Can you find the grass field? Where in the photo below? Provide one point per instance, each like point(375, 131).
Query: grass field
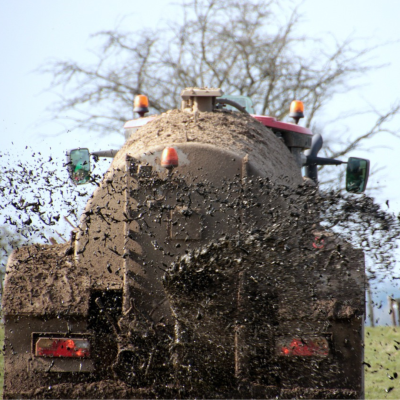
point(1, 359)
point(382, 357)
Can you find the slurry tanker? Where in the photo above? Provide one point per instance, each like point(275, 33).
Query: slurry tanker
point(200, 268)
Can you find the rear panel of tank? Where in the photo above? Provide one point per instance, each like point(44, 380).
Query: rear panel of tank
point(140, 220)
point(161, 230)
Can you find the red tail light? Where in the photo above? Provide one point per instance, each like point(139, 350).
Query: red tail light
point(309, 347)
point(169, 158)
point(62, 347)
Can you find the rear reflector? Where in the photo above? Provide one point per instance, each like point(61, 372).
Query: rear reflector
point(62, 347)
point(308, 347)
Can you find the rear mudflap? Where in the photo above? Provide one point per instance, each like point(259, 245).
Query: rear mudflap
point(110, 389)
point(311, 393)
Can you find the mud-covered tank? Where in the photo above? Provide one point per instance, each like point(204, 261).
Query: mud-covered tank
point(206, 277)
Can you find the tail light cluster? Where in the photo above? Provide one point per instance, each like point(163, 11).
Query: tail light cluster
point(62, 347)
point(306, 347)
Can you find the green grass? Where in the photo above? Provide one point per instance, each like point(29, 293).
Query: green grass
point(1, 359)
point(384, 360)
point(380, 353)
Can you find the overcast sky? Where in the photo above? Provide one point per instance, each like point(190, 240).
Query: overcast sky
point(33, 32)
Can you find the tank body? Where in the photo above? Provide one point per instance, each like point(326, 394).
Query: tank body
point(193, 281)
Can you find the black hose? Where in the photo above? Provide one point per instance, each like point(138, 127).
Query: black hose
point(232, 103)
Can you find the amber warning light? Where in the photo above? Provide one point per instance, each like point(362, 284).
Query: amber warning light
point(169, 158)
point(296, 110)
point(141, 104)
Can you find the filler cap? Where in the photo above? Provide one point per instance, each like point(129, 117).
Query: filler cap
point(199, 99)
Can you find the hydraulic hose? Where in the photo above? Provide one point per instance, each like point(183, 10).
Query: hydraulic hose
point(231, 103)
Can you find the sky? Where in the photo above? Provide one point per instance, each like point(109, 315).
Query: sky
point(34, 32)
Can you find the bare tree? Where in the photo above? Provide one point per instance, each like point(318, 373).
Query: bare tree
point(8, 241)
point(250, 48)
